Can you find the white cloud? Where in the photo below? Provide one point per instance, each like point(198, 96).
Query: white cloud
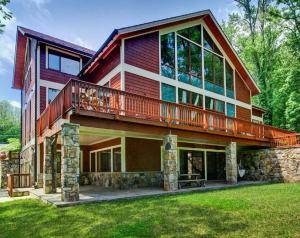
point(15, 104)
point(7, 44)
point(81, 42)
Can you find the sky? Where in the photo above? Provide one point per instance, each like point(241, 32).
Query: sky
point(88, 23)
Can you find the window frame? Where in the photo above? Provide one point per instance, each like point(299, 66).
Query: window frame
point(111, 148)
point(203, 91)
point(190, 98)
point(64, 54)
point(215, 105)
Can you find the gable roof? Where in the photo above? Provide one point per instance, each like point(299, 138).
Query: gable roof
point(210, 21)
point(55, 41)
point(20, 50)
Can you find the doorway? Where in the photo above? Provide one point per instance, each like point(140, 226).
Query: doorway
point(216, 163)
point(192, 162)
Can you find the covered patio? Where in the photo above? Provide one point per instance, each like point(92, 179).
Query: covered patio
point(118, 161)
point(92, 193)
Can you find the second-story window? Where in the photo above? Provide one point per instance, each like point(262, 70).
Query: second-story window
point(214, 104)
point(168, 55)
point(168, 93)
point(229, 81)
point(52, 94)
point(63, 63)
point(187, 97)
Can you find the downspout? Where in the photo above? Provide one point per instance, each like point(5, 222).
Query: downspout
point(35, 116)
point(21, 139)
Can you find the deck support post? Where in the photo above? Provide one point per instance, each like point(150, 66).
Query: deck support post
point(70, 162)
point(231, 163)
point(47, 173)
point(170, 163)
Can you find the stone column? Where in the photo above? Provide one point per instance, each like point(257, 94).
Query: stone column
point(170, 163)
point(70, 162)
point(231, 163)
point(47, 173)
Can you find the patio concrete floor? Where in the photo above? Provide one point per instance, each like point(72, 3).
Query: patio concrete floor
point(92, 193)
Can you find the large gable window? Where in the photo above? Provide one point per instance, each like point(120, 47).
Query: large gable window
point(191, 56)
point(213, 72)
point(192, 33)
point(229, 81)
point(63, 63)
point(168, 55)
point(189, 62)
point(209, 43)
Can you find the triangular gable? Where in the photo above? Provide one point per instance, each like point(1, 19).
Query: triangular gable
point(210, 21)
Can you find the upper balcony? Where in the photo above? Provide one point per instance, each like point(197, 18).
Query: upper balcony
point(96, 101)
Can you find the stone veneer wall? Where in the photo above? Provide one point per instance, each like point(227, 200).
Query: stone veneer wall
point(125, 180)
point(40, 180)
point(8, 166)
point(276, 164)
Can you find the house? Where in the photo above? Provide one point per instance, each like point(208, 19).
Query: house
point(156, 101)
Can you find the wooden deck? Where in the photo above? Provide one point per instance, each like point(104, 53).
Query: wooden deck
point(92, 100)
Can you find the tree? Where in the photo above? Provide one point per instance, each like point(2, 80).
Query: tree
point(5, 14)
point(266, 35)
point(9, 122)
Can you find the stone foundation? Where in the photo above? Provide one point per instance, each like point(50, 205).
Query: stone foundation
point(124, 180)
point(231, 163)
point(10, 165)
point(277, 164)
point(70, 162)
point(170, 163)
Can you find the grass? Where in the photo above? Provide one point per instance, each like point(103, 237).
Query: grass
point(254, 211)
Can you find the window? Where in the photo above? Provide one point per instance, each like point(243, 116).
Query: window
point(107, 160)
point(53, 61)
point(214, 105)
point(192, 33)
point(189, 62)
point(229, 81)
point(168, 93)
point(168, 55)
point(187, 97)
point(213, 72)
point(52, 93)
point(92, 162)
point(103, 161)
point(63, 63)
point(209, 43)
point(230, 110)
point(117, 159)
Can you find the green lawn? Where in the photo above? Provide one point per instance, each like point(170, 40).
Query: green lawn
point(254, 211)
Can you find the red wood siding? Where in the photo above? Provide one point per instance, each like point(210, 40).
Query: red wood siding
point(136, 158)
point(143, 52)
point(43, 99)
point(49, 74)
point(105, 66)
point(141, 85)
point(243, 113)
point(115, 82)
point(242, 92)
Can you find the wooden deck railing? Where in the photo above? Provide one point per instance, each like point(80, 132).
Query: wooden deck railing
point(83, 96)
point(17, 181)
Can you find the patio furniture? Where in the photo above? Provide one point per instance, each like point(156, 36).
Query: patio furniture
point(185, 179)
